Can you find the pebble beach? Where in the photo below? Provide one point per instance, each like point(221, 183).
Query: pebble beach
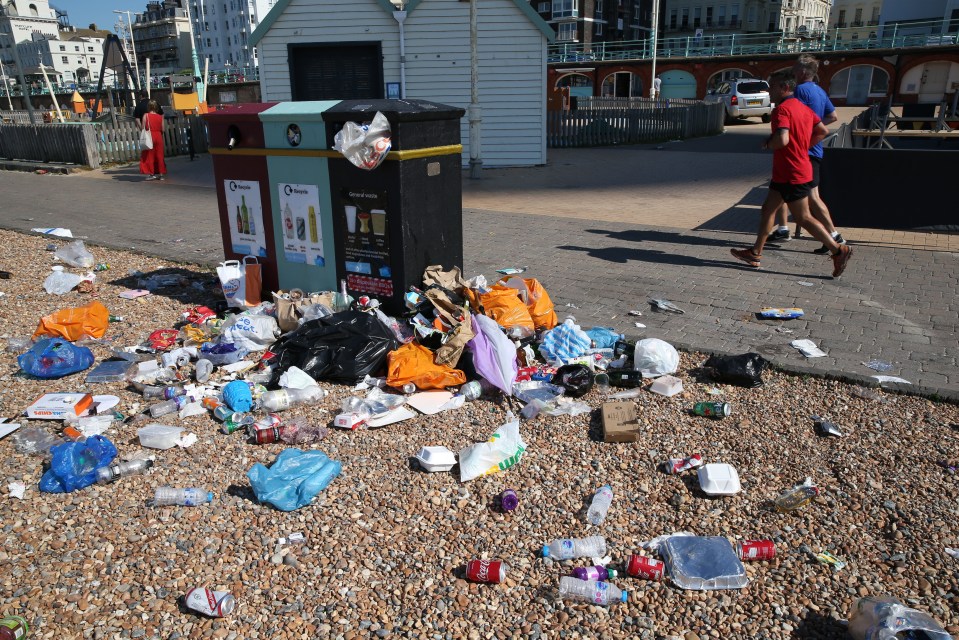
point(386, 543)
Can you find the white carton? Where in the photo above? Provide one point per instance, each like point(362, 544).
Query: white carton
point(59, 406)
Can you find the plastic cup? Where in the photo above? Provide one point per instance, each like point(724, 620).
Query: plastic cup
point(350, 218)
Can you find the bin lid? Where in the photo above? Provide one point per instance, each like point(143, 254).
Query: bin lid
point(307, 111)
point(394, 110)
point(240, 112)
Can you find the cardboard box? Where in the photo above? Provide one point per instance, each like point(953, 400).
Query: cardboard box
point(59, 406)
point(619, 422)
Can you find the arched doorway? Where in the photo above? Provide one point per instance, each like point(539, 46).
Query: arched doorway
point(677, 84)
point(577, 83)
point(858, 83)
point(724, 75)
point(622, 84)
point(930, 81)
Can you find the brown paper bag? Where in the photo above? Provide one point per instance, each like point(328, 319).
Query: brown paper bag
point(461, 333)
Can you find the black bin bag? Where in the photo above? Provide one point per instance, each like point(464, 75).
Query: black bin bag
point(744, 370)
point(343, 347)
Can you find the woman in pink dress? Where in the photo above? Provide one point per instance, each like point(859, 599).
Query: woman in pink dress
point(152, 163)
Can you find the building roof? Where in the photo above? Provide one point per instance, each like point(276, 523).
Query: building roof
point(523, 5)
point(84, 33)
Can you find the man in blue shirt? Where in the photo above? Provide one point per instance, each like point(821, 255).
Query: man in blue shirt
point(813, 96)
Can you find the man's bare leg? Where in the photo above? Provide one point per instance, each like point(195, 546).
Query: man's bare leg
point(801, 214)
point(772, 205)
point(820, 211)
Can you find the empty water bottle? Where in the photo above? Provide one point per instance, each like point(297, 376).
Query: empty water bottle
point(187, 497)
point(167, 393)
point(122, 469)
point(600, 505)
point(601, 593)
point(475, 389)
point(283, 399)
point(567, 548)
point(170, 406)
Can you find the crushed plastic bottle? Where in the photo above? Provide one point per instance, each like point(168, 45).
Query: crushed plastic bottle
point(601, 593)
point(797, 497)
point(119, 470)
point(600, 505)
point(568, 548)
point(283, 399)
point(170, 406)
point(165, 393)
point(187, 497)
point(204, 369)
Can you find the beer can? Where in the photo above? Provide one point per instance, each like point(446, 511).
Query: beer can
point(211, 603)
point(678, 465)
point(646, 568)
point(715, 410)
point(493, 571)
point(756, 550)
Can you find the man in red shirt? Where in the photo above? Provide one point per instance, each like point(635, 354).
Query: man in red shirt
point(795, 128)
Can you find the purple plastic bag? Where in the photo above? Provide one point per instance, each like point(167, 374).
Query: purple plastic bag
point(494, 355)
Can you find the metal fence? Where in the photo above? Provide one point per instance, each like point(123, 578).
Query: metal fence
point(94, 143)
point(600, 126)
point(597, 102)
point(15, 117)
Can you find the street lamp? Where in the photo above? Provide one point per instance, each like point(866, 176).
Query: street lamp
point(652, 83)
point(399, 14)
point(133, 47)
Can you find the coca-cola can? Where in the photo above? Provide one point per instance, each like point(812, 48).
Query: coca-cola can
point(215, 604)
point(756, 550)
point(646, 568)
point(678, 465)
point(493, 571)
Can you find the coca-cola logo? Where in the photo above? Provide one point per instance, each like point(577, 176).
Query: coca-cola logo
point(483, 573)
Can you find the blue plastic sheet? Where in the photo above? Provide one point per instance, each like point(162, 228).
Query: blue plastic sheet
point(237, 396)
point(295, 478)
point(54, 358)
point(74, 465)
point(604, 337)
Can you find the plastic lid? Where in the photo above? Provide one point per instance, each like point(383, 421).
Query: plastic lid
point(57, 267)
point(623, 595)
point(612, 573)
point(545, 551)
point(209, 496)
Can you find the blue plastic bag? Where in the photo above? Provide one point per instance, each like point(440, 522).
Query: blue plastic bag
point(294, 479)
point(604, 337)
point(221, 354)
point(237, 396)
point(54, 358)
point(74, 465)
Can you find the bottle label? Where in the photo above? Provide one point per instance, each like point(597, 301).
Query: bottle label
point(601, 596)
point(566, 548)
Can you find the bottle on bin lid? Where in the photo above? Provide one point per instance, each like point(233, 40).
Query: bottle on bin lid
point(211, 603)
point(13, 628)
point(493, 571)
point(509, 500)
point(601, 593)
point(597, 573)
point(600, 505)
point(644, 567)
point(568, 548)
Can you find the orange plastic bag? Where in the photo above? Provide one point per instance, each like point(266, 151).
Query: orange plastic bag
point(414, 363)
point(539, 305)
point(504, 305)
point(74, 323)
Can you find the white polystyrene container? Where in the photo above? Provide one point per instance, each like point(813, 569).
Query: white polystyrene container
point(719, 479)
point(436, 458)
point(159, 436)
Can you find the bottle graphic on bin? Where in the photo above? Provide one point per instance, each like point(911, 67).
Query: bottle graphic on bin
point(252, 229)
point(314, 236)
point(246, 215)
point(239, 220)
point(288, 221)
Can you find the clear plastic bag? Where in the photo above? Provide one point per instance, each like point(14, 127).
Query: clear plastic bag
point(703, 564)
point(76, 255)
point(885, 618)
point(35, 441)
point(365, 145)
point(59, 282)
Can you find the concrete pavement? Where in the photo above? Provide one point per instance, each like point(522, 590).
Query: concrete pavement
point(604, 230)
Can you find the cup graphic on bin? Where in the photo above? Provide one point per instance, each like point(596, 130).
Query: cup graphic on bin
point(378, 218)
point(350, 218)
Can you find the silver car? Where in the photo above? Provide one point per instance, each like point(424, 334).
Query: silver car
point(744, 98)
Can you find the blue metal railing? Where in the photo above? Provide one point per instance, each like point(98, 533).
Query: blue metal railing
point(888, 36)
point(223, 76)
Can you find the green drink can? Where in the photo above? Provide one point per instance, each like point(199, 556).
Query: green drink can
point(14, 627)
point(714, 410)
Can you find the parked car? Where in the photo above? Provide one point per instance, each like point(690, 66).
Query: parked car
point(744, 98)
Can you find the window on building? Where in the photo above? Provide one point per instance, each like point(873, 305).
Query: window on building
point(33, 11)
point(751, 15)
point(684, 24)
point(858, 21)
point(62, 48)
point(841, 22)
point(90, 49)
point(565, 9)
point(76, 47)
point(734, 15)
point(93, 60)
point(673, 18)
point(875, 14)
point(599, 9)
point(698, 17)
point(599, 29)
point(208, 42)
point(721, 15)
point(954, 22)
point(709, 16)
point(566, 31)
point(65, 60)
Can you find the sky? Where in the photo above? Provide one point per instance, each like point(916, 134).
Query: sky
point(83, 12)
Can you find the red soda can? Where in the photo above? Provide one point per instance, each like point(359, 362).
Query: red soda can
point(756, 550)
point(646, 568)
point(266, 436)
point(678, 465)
point(493, 571)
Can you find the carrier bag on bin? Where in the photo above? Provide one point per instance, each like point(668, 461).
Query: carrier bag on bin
point(365, 145)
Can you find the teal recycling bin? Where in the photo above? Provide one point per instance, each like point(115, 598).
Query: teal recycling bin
point(297, 158)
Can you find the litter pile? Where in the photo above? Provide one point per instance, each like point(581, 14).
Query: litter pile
point(303, 383)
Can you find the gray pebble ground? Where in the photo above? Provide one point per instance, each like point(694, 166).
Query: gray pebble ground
point(386, 544)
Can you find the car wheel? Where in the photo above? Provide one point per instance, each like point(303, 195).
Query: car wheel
point(729, 119)
point(766, 118)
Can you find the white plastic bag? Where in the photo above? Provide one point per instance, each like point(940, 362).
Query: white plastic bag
point(296, 378)
point(241, 282)
point(250, 332)
point(75, 255)
point(503, 450)
point(655, 357)
point(885, 618)
point(365, 145)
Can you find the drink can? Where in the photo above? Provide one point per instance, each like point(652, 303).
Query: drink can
point(209, 602)
point(493, 571)
point(678, 465)
point(646, 568)
point(715, 410)
point(756, 550)
point(17, 628)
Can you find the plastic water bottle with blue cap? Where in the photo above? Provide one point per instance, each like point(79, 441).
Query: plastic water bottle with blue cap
point(601, 593)
point(191, 497)
point(600, 505)
point(568, 548)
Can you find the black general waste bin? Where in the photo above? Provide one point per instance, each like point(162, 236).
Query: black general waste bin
point(390, 223)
